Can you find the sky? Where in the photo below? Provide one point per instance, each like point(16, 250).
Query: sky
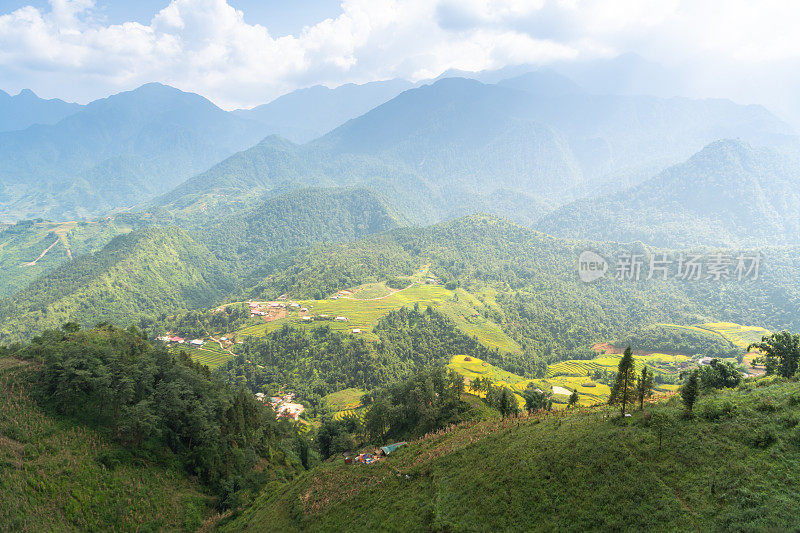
point(240, 53)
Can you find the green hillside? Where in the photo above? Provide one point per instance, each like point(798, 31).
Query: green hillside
point(727, 195)
point(729, 468)
point(53, 474)
point(30, 248)
point(141, 274)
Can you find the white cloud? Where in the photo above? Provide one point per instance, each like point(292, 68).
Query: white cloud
point(206, 46)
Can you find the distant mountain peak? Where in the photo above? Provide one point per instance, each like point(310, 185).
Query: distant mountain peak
point(544, 82)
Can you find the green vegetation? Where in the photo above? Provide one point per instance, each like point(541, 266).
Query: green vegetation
point(160, 408)
point(136, 276)
point(56, 474)
point(654, 470)
point(31, 248)
point(669, 338)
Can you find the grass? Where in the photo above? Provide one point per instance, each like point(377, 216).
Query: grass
point(210, 354)
point(731, 468)
point(343, 399)
point(740, 336)
point(52, 477)
point(364, 314)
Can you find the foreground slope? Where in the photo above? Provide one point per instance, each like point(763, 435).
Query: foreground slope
point(728, 194)
point(729, 468)
point(53, 474)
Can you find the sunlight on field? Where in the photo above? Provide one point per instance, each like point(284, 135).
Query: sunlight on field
point(740, 336)
point(364, 314)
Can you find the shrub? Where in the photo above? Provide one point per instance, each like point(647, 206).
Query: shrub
point(794, 399)
point(716, 410)
point(761, 437)
point(794, 438)
point(766, 406)
point(789, 421)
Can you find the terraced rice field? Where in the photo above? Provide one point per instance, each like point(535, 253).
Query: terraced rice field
point(364, 314)
point(359, 413)
point(208, 356)
point(740, 336)
point(344, 399)
point(659, 362)
point(589, 391)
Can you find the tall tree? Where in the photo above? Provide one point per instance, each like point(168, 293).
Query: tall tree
point(781, 353)
point(624, 392)
point(574, 398)
point(644, 387)
point(690, 390)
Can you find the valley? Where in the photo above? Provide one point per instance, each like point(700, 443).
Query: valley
point(369, 266)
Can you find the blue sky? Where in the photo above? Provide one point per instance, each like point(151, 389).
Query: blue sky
point(281, 17)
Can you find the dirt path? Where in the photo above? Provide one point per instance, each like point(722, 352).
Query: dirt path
point(33, 263)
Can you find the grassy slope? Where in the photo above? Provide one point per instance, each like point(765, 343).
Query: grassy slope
point(364, 314)
point(22, 244)
point(139, 274)
point(574, 472)
point(51, 477)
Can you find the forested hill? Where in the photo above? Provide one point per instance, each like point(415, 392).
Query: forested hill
point(143, 273)
point(458, 146)
point(299, 218)
point(541, 301)
point(728, 194)
point(158, 270)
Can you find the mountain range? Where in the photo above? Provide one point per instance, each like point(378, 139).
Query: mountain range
point(728, 194)
point(26, 109)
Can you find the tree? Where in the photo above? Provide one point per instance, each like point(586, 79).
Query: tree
point(537, 400)
point(574, 398)
point(690, 390)
point(623, 392)
point(644, 387)
point(719, 375)
point(781, 353)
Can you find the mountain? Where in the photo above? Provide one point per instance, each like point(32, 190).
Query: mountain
point(728, 194)
point(26, 109)
point(305, 114)
point(560, 473)
point(299, 218)
point(543, 82)
point(155, 270)
point(460, 146)
point(115, 152)
point(31, 248)
point(142, 273)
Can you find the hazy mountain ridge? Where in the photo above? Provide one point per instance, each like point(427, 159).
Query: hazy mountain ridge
point(115, 152)
point(446, 149)
point(306, 114)
point(728, 194)
point(26, 109)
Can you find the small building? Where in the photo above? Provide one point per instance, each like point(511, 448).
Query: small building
point(306, 318)
point(260, 396)
point(223, 338)
point(196, 342)
point(341, 319)
point(356, 330)
point(304, 310)
point(178, 340)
